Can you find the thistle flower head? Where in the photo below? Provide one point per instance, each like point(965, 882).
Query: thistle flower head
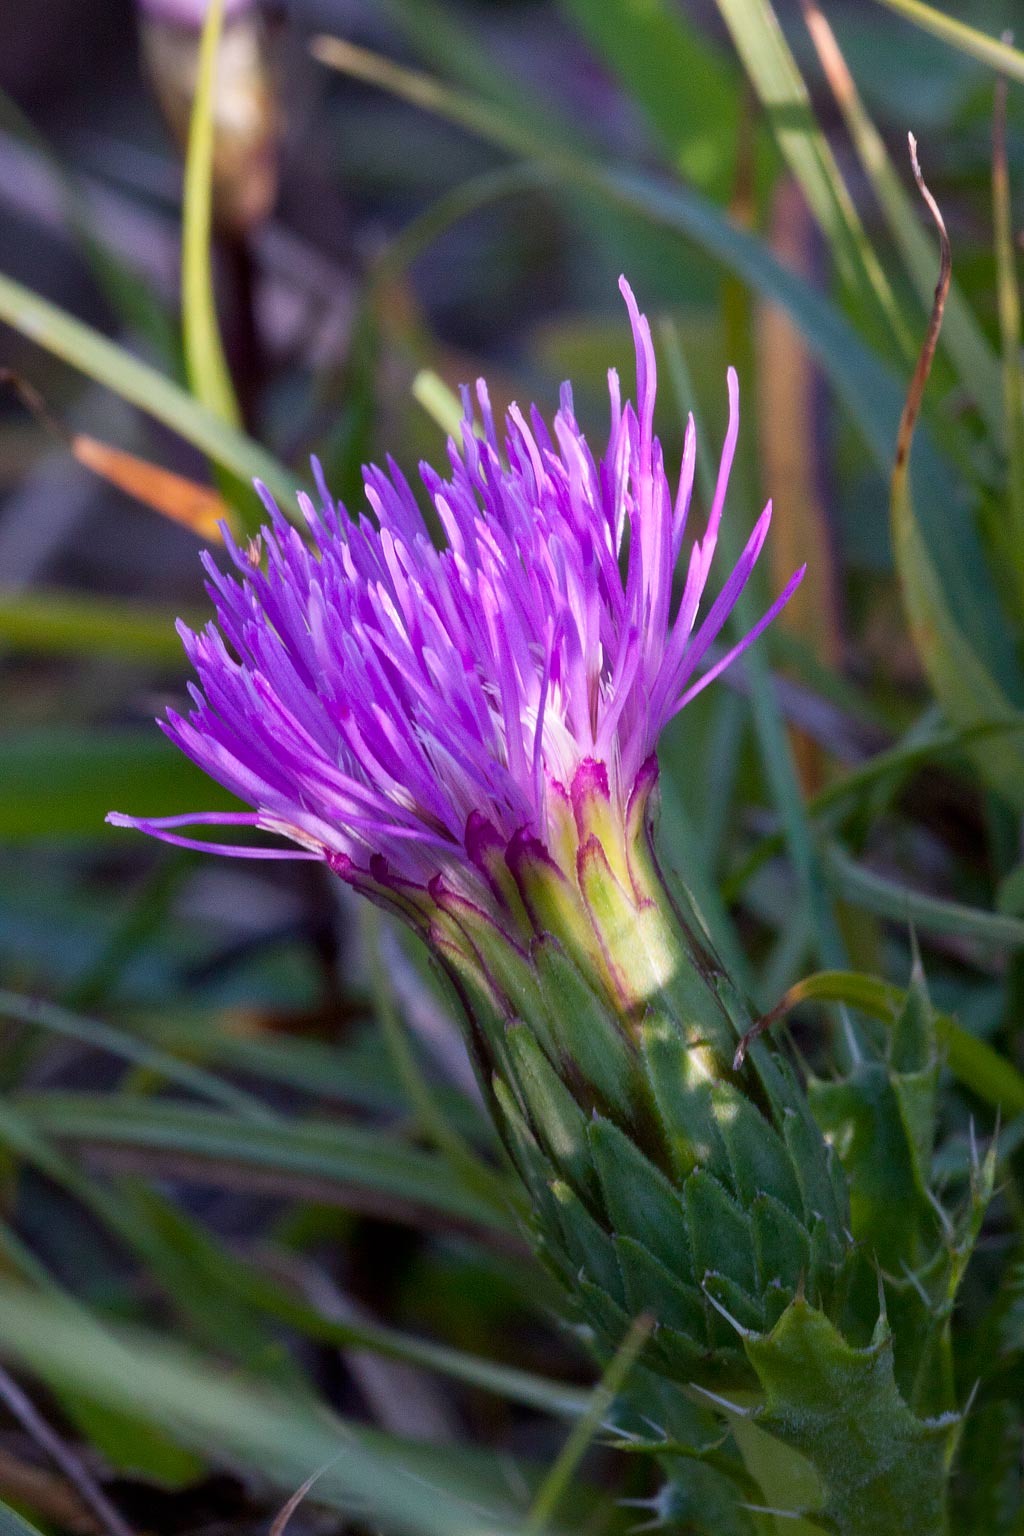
point(461, 720)
point(416, 711)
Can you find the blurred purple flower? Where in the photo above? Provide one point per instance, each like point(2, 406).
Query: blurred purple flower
point(190, 13)
point(427, 719)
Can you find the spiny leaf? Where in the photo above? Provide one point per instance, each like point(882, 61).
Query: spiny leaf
point(973, 1061)
point(881, 1468)
point(654, 1287)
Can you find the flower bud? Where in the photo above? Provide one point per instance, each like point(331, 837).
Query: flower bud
point(246, 113)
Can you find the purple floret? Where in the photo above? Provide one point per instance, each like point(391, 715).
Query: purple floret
point(372, 696)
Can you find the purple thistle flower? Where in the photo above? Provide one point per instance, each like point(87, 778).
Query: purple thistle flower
point(437, 721)
point(467, 735)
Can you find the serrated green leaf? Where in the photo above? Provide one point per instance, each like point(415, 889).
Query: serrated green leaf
point(605, 1316)
point(889, 1208)
point(913, 1045)
point(882, 1469)
point(914, 1074)
point(916, 1093)
point(738, 1309)
point(813, 1171)
point(677, 1357)
point(988, 1483)
point(974, 1062)
point(708, 1500)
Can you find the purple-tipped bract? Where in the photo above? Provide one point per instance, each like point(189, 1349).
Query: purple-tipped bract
point(377, 699)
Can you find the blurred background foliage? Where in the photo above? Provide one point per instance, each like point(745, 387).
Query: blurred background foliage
point(235, 1110)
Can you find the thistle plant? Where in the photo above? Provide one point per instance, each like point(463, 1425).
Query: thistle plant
point(461, 721)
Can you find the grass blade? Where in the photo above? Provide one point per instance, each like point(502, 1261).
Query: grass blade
point(553, 1488)
point(62, 782)
point(964, 683)
point(425, 1491)
point(103, 1037)
point(143, 386)
point(474, 1172)
point(12, 1524)
point(962, 336)
point(350, 1166)
point(1008, 295)
point(204, 355)
point(63, 623)
point(789, 452)
point(444, 37)
point(927, 914)
point(247, 1284)
point(353, 1073)
point(771, 731)
point(987, 50)
point(774, 73)
point(194, 506)
point(894, 765)
point(93, 1498)
point(652, 48)
point(441, 404)
point(129, 293)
